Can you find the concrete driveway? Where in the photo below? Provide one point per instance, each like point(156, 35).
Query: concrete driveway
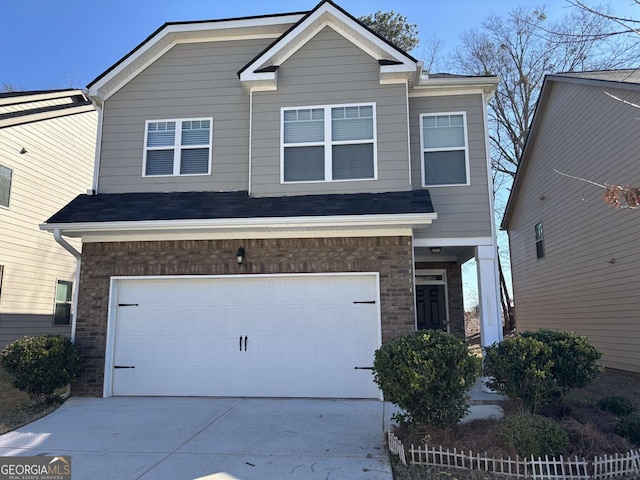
point(213, 438)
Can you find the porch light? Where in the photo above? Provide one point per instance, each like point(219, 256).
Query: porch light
point(240, 255)
point(436, 250)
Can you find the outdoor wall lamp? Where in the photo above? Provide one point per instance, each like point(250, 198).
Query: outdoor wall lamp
point(240, 255)
point(436, 250)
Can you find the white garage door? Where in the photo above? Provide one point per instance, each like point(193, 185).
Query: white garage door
point(271, 336)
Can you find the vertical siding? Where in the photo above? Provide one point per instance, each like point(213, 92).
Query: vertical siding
point(190, 80)
point(462, 211)
point(57, 167)
point(588, 280)
point(330, 70)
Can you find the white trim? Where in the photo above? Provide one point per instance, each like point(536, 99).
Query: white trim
point(96, 169)
point(250, 141)
point(107, 389)
point(240, 224)
point(452, 242)
point(175, 35)
point(423, 149)
point(408, 135)
point(328, 142)
point(328, 15)
point(177, 146)
point(485, 126)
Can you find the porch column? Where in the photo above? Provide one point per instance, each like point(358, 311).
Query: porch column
point(488, 295)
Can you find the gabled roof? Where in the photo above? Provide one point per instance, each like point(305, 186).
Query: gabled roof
point(394, 62)
point(18, 108)
point(623, 79)
point(131, 211)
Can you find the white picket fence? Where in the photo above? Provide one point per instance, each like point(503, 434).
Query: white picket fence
point(609, 466)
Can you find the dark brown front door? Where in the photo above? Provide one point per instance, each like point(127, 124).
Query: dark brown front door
point(431, 308)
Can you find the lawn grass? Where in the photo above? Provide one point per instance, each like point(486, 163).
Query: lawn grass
point(586, 423)
point(17, 409)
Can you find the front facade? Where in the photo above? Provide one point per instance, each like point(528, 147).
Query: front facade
point(574, 259)
point(274, 198)
point(47, 153)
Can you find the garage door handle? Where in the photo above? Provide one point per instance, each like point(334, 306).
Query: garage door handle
point(245, 343)
point(123, 366)
point(366, 301)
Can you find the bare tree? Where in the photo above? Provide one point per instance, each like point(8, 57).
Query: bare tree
point(522, 48)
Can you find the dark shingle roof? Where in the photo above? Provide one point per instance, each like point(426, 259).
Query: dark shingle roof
point(624, 75)
point(132, 207)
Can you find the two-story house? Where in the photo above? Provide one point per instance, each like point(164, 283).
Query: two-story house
point(47, 153)
point(574, 258)
point(276, 197)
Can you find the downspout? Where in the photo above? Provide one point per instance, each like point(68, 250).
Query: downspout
point(74, 299)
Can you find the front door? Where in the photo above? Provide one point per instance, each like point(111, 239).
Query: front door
point(431, 307)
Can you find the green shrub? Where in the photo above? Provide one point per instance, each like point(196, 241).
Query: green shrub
point(617, 405)
point(532, 435)
point(428, 375)
point(41, 364)
point(629, 428)
point(539, 368)
point(575, 360)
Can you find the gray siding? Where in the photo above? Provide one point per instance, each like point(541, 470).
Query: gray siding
point(588, 280)
point(330, 70)
point(190, 80)
point(462, 211)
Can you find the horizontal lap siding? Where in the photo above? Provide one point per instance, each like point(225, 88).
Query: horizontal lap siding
point(585, 133)
point(190, 80)
point(462, 211)
point(57, 167)
point(330, 70)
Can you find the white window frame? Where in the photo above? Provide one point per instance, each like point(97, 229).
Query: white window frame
point(451, 149)
point(10, 185)
point(177, 147)
point(328, 143)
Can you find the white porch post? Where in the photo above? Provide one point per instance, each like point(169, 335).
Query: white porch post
point(488, 295)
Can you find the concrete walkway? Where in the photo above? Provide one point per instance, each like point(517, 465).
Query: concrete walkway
point(213, 438)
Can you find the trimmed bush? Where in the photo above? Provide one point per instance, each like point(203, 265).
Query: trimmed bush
point(617, 405)
point(539, 368)
point(532, 435)
point(629, 428)
point(41, 364)
point(428, 375)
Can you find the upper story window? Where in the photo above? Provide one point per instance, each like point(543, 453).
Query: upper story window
point(539, 241)
point(178, 147)
point(62, 312)
point(5, 185)
point(445, 152)
point(329, 143)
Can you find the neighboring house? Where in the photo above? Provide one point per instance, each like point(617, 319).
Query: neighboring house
point(575, 260)
point(47, 153)
point(275, 197)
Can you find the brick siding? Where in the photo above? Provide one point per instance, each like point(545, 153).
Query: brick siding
point(392, 257)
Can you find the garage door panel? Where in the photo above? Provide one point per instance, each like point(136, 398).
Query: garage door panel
point(304, 336)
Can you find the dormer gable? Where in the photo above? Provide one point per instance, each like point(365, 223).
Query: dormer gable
point(396, 66)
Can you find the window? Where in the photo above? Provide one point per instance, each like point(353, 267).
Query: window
point(328, 143)
point(1, 277)
point(62, 313)
point(539, 241)
point(5, 185)
point(444, 149)
point(178, 147)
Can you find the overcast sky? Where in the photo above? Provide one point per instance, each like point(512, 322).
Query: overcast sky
point(67, 43)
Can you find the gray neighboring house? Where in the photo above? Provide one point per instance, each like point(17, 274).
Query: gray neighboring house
point(47, 153)
point(275, 197)
point(575, 260)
